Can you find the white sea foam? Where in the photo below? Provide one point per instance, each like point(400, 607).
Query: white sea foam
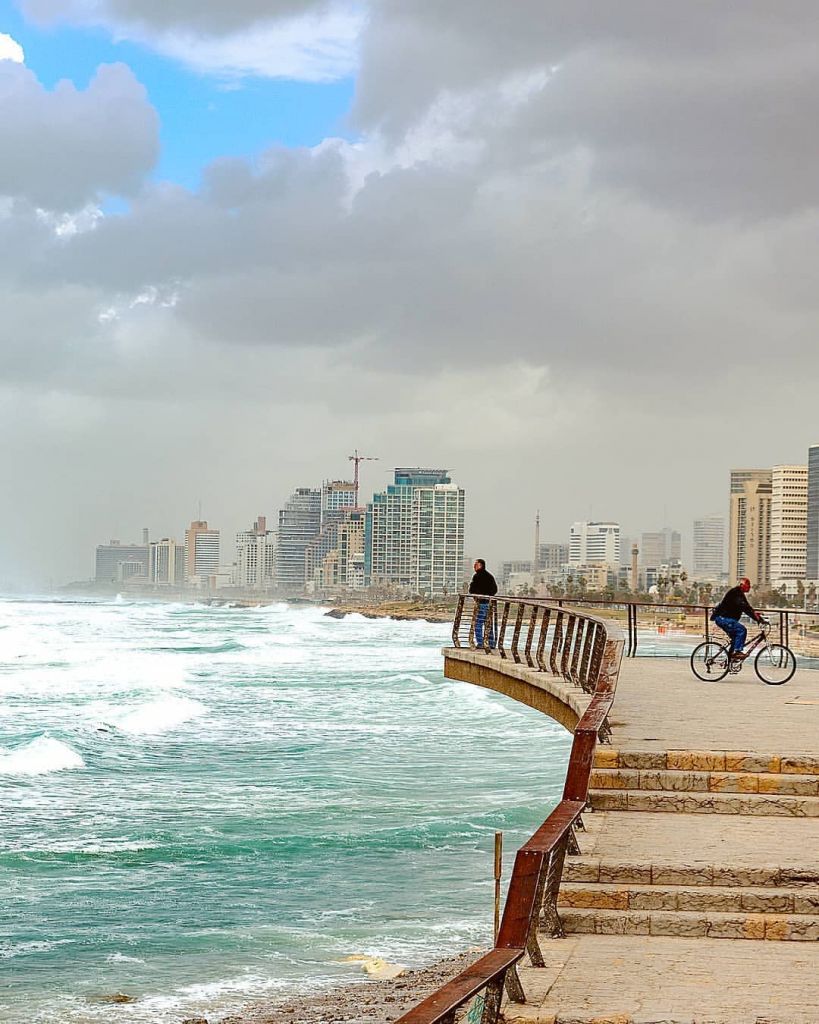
point(159, 715)
point(9, 950)
point(41, 756)
point(121, 958)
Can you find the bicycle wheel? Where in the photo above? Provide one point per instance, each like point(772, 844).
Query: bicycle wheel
point(709, 661)
point(775, 664)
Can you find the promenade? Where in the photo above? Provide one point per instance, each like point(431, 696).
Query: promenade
point(695, 896)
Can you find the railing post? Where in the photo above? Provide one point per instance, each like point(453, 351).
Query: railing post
point(502, 630)
point(541, 644)
point(516, 633)
point(456, 625)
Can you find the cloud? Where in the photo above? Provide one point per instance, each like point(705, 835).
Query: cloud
point(567, 238)
point(689, 107)
point(304, 40)
point(10, 49)
point(65, 147)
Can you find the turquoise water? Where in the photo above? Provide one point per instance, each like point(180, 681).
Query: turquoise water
point(204, 806)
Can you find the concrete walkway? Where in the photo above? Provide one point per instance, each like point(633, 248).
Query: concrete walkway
point(661, 704)
point(704, 840)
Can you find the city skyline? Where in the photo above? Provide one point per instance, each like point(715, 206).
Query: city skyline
point(238, 255)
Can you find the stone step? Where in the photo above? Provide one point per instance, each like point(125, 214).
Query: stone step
point(520, 1013)
point(667, 780)
point(634, 979)
point(706, 761)
point(705, 803)
point(723, 899)
point(621, 872)
point(693, 924)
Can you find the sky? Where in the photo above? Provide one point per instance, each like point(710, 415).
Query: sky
point(565, 248)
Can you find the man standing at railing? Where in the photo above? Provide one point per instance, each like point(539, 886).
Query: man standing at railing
point(728, 613)
point(483, 582)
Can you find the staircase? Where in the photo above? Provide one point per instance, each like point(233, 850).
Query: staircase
point(730, 893)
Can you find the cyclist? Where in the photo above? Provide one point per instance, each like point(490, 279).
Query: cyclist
point(728, 613)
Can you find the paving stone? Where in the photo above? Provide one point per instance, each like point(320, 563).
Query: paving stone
point(805, 903)
point(609, 800)
point(743, 761)
point(696, 760)
point(799, 765)
point(607, 898)
point(624, 871)
point(746, 876)
point(616, 778)
point(672, 979)
point(733, 782)
point(643, 759)
point(795, 785)
point(576, 869)
point(673, 781)
point(606, 757)
point(771, 902)
point(682, 874)
point(711, 898)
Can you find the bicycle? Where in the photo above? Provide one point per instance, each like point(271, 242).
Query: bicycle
point(775, 664)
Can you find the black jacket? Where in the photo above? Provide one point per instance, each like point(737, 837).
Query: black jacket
point(733, 606)
point(483, 582)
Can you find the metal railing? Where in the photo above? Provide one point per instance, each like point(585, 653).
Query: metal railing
point(783, 618)
point(585, 651)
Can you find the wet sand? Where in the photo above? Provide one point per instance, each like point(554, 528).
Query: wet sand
point(367, 1002)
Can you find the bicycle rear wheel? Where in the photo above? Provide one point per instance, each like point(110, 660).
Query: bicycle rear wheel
point(709, 661)
point(775, 664)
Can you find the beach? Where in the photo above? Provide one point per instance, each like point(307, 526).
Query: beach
point(368, 1002)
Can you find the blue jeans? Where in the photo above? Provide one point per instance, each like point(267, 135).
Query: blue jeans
point(480, 619)
point(735, 630)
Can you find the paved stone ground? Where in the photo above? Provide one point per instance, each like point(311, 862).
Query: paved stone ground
point(628, 978)
point(700, 838)
point(660, 703)
point(633, 979)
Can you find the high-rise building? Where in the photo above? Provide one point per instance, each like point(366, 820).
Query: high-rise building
point(414, 533)
point(336, 497)
point(552, 558)
point(256, 556)
point(116, 562)
point(337, 500)
point(789, 522)
point(201, 551)
point(663, 547)
point(812, 550)
point(351, 550)
point(513, 568)
point(708, 562)
point(166, 562)
point(750, 525)
point(299, 524)
point(594, 544)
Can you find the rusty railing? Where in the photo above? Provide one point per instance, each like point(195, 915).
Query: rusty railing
point(586, 652)
point(784, 618)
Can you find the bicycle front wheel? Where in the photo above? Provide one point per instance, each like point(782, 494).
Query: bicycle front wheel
point(775, 664)
point(709, 661)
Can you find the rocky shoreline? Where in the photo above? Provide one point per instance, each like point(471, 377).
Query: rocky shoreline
point(400, 611)
point(365, 1002)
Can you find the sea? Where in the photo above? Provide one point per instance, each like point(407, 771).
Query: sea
point(203, 807)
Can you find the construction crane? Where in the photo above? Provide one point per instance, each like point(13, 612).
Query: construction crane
point(358, 459)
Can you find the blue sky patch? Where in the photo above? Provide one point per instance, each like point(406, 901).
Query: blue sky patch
point(202, 116)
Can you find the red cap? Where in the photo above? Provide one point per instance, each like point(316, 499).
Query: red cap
point(744, 584)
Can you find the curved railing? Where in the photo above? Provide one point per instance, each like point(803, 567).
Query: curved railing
point(586, 651)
